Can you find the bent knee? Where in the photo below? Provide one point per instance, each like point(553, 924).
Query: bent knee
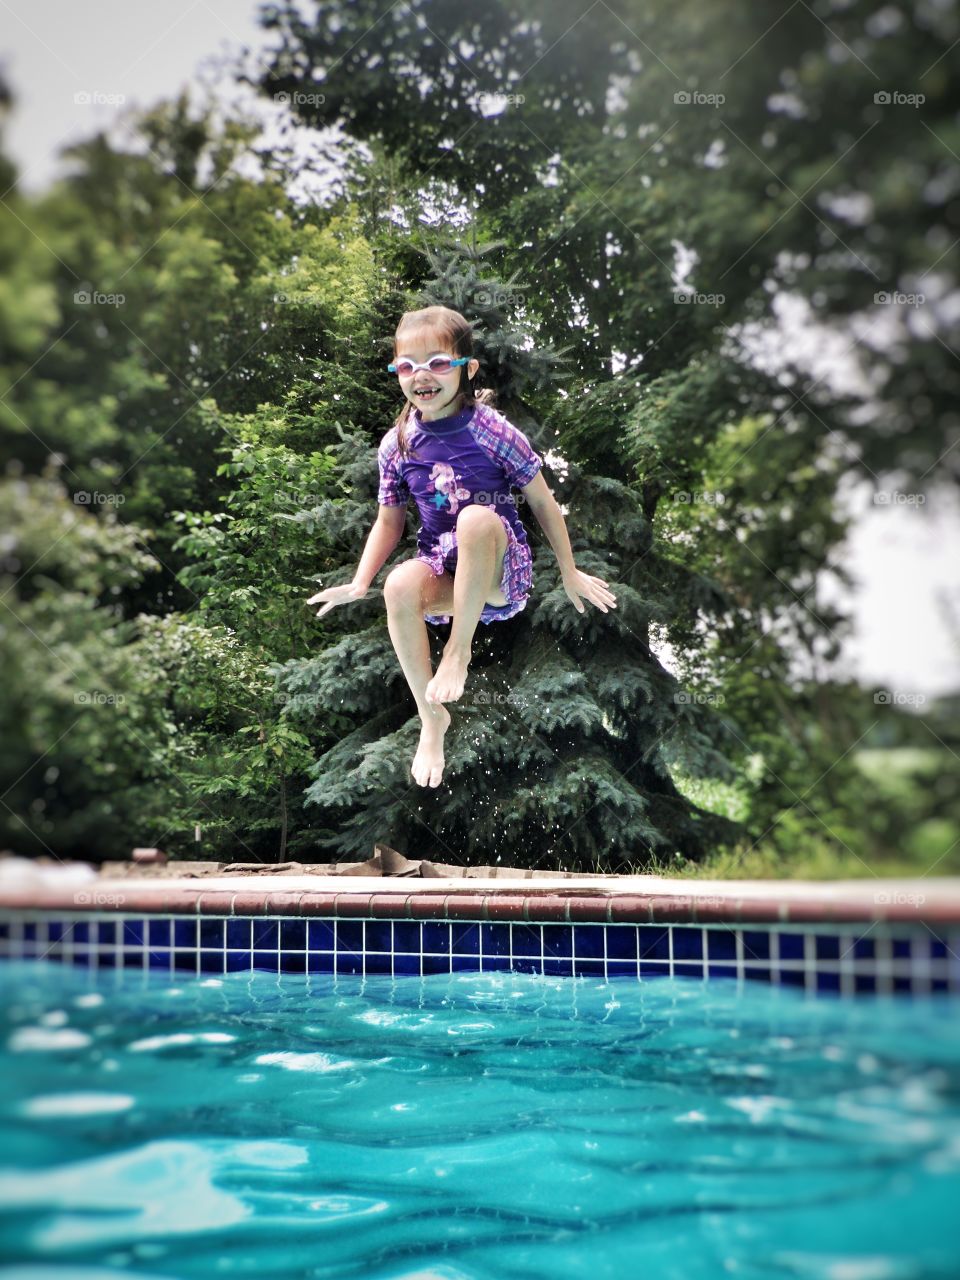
point(405, 582)
point(477, 517)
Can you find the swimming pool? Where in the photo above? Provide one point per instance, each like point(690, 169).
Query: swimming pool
point(479, 1124)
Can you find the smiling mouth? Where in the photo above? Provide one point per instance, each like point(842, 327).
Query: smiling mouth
point(426, 393)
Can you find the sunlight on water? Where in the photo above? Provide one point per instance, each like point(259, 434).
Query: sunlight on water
point(58, 1105)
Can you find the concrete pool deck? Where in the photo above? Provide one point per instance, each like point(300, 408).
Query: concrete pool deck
point(202, 889)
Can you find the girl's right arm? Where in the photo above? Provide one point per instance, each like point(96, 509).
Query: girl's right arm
point(386, 533)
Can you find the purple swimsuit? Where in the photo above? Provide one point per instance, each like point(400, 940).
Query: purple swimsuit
point(471, 457)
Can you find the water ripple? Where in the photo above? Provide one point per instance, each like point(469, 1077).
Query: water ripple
point(473, 1125)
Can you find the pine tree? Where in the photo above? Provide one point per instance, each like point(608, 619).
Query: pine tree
point(561, 746)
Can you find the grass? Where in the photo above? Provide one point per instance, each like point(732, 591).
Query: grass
point(764, 861)
point(800, 847)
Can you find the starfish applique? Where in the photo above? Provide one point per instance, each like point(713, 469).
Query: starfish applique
point(439, 499)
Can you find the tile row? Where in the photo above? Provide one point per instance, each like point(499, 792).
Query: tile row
point(845, 960)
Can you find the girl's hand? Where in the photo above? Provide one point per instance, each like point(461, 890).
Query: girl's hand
point(332, 596)
point(576, 583)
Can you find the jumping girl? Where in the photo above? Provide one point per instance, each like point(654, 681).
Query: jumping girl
point(458, 457)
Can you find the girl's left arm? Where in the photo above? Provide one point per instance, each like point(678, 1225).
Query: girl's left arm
point(576, 583)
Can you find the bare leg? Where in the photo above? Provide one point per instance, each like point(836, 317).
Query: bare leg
point(481, 545)
point(403, 593)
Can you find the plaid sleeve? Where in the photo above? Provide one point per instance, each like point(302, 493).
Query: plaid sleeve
point(394, 490)
point(510, 447)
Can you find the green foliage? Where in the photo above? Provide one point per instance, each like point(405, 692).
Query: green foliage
point(246, 563)
point(75, 754)
point(232, 765)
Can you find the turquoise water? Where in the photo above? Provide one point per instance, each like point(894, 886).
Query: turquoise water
point(475, 1125)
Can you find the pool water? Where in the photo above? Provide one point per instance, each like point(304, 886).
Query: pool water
point(471, 1125)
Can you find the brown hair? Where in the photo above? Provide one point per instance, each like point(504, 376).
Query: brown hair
point(457, 333)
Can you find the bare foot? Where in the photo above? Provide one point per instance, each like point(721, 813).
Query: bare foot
point(447, 684)
point(427, 768)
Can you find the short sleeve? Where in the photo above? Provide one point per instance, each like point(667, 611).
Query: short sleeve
point(511, 448)
point(394, 490)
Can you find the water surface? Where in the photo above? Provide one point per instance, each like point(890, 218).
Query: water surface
point(475, 1125)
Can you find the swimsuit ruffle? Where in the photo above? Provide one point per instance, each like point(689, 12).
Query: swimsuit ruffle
point(515, 581)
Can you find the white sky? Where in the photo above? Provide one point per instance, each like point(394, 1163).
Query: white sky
point(53, 50)
point(903, 557)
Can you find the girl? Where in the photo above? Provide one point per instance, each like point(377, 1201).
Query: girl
point(458, 457)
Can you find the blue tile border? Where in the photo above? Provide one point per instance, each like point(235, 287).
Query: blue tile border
point(841, 959)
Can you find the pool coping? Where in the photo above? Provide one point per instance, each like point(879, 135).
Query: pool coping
point(614, 899)
point(842, 937)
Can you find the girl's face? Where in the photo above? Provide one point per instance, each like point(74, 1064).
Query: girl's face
point(433, 394)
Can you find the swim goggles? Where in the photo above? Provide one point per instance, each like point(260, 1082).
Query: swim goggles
point(436, 364)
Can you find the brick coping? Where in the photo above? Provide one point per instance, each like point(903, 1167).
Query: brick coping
point(612, 899)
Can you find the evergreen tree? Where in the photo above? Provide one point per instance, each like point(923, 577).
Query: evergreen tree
point(562, 744)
